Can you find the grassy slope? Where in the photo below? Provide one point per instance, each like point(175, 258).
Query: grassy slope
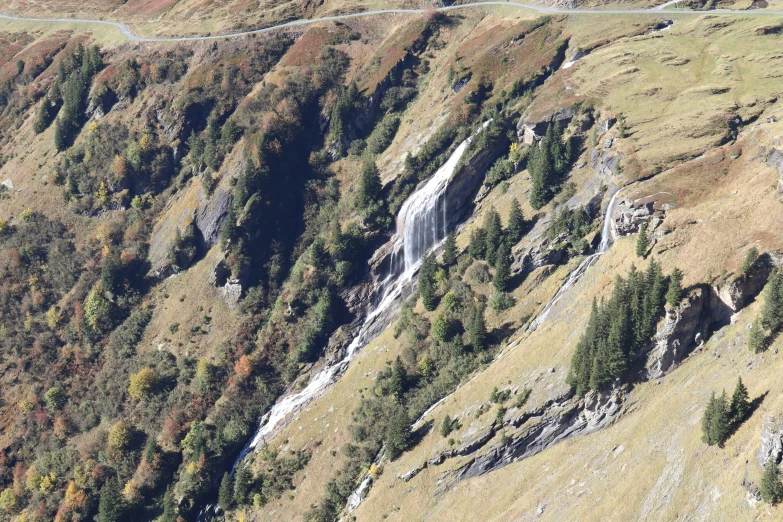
point(654, 452)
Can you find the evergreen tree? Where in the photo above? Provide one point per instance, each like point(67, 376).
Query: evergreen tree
point(772, 311)
point(642, 242)
point(60, 135)
point(720, 428)
point(540, 168)
point(111, 507)
point(771, 485)
point(478, 243)
point(617, 330)
point(243, 482)
point(226, 492)
point(446, 426)
point(674, 293)
point(427, 282)
point(450, 250)
point(757, 338)
point(750, 262)
point(493, 234)
point(398, 433)
point(477, 329)
point(169, 508)
point(707, 420)
point(370, 186)
point(516, 222)
point(740, 403)
point(502, 269)
point(399, 379)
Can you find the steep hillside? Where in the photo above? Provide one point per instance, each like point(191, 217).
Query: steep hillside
point(475, 265)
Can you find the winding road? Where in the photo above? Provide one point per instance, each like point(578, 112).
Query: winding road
point(538, 8)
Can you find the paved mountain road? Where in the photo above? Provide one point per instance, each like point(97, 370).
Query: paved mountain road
point(538, 8)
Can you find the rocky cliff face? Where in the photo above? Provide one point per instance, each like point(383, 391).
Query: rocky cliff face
point(530, 433)
point(682, 327)
point(771, 440)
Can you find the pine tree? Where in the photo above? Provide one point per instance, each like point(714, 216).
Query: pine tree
point(757, 338)
point(226, 492)
point(516, 222)
point(398, 433)
point(427, 282)
point(771, 485)
point(772, 311)
point(707, 420)
point(450, 250)
point(399, 379)
point(477, 329)
point(719, 428)
point(60, 135)
point(674, 293)
point(478, 243)
point(446, 426)
point(540, 169)
point(643, 242)
point(750, 262)
point(493, 234)
point(110, 506)
point(740, 403)
point(169, 508)
point(502, 269)
point(370, 187)
point(243, 482)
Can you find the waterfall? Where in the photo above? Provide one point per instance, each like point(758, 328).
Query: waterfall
point(603, 247)
point(421, 226)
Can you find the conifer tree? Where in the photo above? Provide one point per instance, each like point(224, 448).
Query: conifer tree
point(750, 262)
point(772, 311)
point(243, 481)
point(757, 338)
point(111, 507)
point(771, 485)
point(478, 243)
point(477, 329)
point(719, 427)
point(740, 403)
point(707, 420)
point(427, 282)
point(642, 242)
point(225, 492)
point(540, 169)
point(502, 269)
point(450, 250)
point(399, 379)
point(493, 234)
point(516, 222)
point(169, 508)
point(370, 187)
point(674, 293)
point(398, 433)
point(446, 426)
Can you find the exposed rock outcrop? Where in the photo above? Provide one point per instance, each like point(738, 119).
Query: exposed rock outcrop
point(680, 329)
point(557, 420)
point(771, 440)
point(211, 214)
point(529, 131)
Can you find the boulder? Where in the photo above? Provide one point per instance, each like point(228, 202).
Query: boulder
point(675, 336)
point(771, 439)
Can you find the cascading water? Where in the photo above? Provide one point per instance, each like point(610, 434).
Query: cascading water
point(421, 226)
point(603, 247)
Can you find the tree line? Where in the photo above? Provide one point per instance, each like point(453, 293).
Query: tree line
point(621, 326)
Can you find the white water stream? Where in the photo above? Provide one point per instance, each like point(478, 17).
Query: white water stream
point(603, 247)
point(421, 226)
